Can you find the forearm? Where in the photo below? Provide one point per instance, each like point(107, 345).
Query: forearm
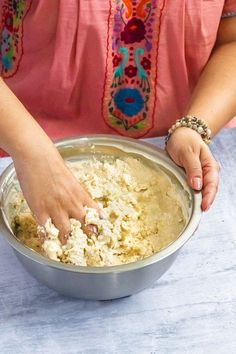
point(19, 132)
point(214, 98)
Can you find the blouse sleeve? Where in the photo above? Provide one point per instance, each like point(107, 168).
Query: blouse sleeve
point(229, 9)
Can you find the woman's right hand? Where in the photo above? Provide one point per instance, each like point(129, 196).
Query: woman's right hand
point(49, 187)
point(51, 190)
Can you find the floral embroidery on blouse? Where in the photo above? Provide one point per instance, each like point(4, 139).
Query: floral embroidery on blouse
point(13, 13)
point(129, 97)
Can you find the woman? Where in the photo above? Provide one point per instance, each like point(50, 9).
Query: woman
point(131, 67)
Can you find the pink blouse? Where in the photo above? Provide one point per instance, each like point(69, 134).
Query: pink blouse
point(107, 66)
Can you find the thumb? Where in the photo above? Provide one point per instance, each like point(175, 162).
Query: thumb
point(193, 169)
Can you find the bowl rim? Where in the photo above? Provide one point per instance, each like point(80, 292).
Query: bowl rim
point(157, 257)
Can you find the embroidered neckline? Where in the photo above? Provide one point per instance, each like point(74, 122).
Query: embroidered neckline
point(129, 98)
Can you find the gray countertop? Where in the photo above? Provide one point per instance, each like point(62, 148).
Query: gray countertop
point(191, 309)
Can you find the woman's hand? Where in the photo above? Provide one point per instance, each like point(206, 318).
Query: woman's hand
point(51, 190)
point(187, 149)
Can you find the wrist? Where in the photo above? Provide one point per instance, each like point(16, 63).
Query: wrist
point(29, 148)
point(184, 134)
point(192, 123)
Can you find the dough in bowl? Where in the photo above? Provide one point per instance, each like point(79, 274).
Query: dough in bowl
point(141, 208)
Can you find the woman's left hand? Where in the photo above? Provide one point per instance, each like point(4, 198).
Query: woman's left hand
point(187, 150)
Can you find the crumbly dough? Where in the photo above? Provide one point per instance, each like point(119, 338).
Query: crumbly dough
point(141, 214)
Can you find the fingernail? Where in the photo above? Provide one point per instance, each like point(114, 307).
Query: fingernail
point(207, 208)
point(197, 183)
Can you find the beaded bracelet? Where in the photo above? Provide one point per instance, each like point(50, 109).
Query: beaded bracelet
point(193, 123)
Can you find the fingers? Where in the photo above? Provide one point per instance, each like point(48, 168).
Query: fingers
point(90, 203)
point(187, 150)
point(202, 174)
point(61, 209)
point(211, 178)
point(90, 230)
point(62, 223)
point(193, 169)
point(79, 214)
point(41, 220)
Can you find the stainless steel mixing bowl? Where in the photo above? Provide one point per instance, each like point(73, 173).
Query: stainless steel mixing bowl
point(106, 282)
